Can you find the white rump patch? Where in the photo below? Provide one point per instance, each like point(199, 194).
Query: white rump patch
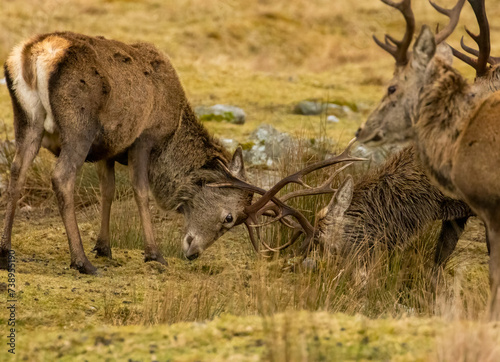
point(36, 101)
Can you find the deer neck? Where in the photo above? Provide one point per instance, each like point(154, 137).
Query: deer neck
point(182, 161)
point(445, 104)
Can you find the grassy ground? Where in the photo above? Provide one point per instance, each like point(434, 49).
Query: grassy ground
point(263, 56)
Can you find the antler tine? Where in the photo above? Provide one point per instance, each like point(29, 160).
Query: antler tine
point(268, 202)
point(482, 40)
point(297, 177)
point(324, 188)
point(464, 58)
point(399, 48)
point(453, 14)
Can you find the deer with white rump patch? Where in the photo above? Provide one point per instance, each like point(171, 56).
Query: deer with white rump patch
point(92, 99)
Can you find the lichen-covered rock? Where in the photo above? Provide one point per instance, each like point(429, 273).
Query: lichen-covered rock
point(221, 113)
point(266, 146)
point(316, 107)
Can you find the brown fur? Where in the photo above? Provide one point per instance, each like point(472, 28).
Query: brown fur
point(457, 137)
point(391, 204)
point(93, 99)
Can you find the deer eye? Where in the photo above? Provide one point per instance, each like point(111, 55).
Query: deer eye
point(228, 219)
point(391, 89)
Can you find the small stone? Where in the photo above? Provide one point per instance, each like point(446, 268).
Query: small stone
point(332, 118)
point(221, 113)
point(26, 209)
point(309, 264)
point(309, 108)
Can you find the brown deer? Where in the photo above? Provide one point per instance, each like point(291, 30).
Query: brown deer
point(92, 99)
point(456, 134)
point(390, 122)
point(390, 204)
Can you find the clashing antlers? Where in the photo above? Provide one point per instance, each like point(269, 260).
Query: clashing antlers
point(269, 205)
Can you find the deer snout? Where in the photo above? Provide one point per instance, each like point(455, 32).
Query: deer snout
point(191, 250)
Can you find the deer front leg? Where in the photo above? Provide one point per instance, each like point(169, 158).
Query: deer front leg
point(448, 238)
point(63, 182)
point(106, 172)
point(138, 162)
point(27, 146)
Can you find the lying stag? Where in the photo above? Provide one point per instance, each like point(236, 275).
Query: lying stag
point(93, 99)
point(457, 133)
point(391, 204)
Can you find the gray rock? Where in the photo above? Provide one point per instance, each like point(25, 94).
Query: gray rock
point(221, 113)
point(309, 108)
point(266, 146)
point(333, 119)
point(376, 155)
point(316, 107)
point(310, 264)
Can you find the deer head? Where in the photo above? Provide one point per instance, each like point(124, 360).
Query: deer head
point(269, 205)
point(391, 121)
point(210, 212)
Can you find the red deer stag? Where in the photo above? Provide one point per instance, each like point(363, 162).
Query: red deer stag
point(457, 133)
point(92, 99)
point(390, 122)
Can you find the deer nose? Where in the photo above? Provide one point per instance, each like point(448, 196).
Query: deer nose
point(193, 256)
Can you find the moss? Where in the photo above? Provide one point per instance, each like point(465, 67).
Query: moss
point(224, 117)
point(246, 146)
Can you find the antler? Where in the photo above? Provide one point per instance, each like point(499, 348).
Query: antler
point(482, 40)
point(453, 14)
point(269, 205)
point(399, 48)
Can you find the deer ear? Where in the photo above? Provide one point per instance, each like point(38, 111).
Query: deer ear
point(444, 52)
point(424, 49)
point(237, 167)
point(342, 198)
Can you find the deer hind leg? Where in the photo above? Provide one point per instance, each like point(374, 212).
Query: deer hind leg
point(138, 161)
point(71, 158)
point(106, 171)
point(28, 140)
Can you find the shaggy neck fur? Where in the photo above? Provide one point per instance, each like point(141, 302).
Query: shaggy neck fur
point(184, 162)
point(445, 104)
point(392, 203)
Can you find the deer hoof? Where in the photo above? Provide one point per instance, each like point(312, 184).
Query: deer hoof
point(84, 267)
point(155, 257)
point(102, 251)
point(4, 259)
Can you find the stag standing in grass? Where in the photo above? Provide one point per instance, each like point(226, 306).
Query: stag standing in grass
point(457, 134)
point(391, 204)
point(92, 99)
